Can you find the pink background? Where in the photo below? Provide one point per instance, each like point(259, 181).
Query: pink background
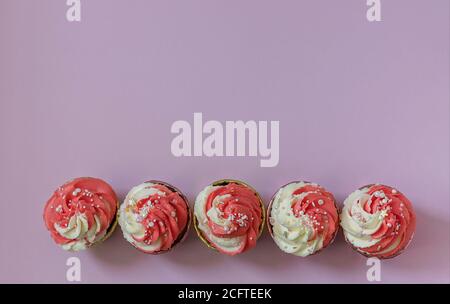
point(358, 102)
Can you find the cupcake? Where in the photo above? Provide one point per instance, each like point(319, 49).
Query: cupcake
point(302, 218)
point(154, 217)
point(81, 213)
point(229, 216)
point(378, 221)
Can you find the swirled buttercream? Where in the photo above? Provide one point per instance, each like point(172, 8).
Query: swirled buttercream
point(80, 213)
point(378, 221)
point(154, 217)
point(303, 218)
point(229, 217)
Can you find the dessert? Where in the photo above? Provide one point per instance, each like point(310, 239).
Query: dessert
point(229, 216)
point(81, 212)
point(378, 221)
point(154, 217)
point(302, 218)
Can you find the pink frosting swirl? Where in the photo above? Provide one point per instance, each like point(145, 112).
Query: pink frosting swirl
point(229, 217)
point(79, 213)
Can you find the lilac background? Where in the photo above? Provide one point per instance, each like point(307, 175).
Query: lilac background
point(358, 102)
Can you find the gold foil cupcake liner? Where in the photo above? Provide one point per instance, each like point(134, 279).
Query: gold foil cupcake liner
point(224, 182)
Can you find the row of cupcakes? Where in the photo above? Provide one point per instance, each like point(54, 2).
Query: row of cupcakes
point(229, 216)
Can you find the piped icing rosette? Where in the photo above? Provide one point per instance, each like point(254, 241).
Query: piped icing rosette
point(81, 213)
point(378, 221)
point(303, 218)
point(229, 216)
point(154, 217)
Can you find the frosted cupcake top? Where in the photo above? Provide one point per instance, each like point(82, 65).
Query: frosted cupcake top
point(303, 218)
point(229, 217)
point(154, 217)
point(378, 221)
point(79, 213)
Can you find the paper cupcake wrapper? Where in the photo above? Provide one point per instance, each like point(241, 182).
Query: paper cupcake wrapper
point(269, 225)
point(224, 182)
point(184, 233)
point(368, 255)
point(111, 227)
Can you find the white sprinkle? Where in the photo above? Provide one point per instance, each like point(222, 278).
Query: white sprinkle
point(320, 202)
point(76, 191)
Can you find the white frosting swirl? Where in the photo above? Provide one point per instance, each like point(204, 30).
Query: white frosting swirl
point(78, 230)
point(293, 233)
point(131, 222)
point(360, 225)
point(378, 221)
point(153, 217)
